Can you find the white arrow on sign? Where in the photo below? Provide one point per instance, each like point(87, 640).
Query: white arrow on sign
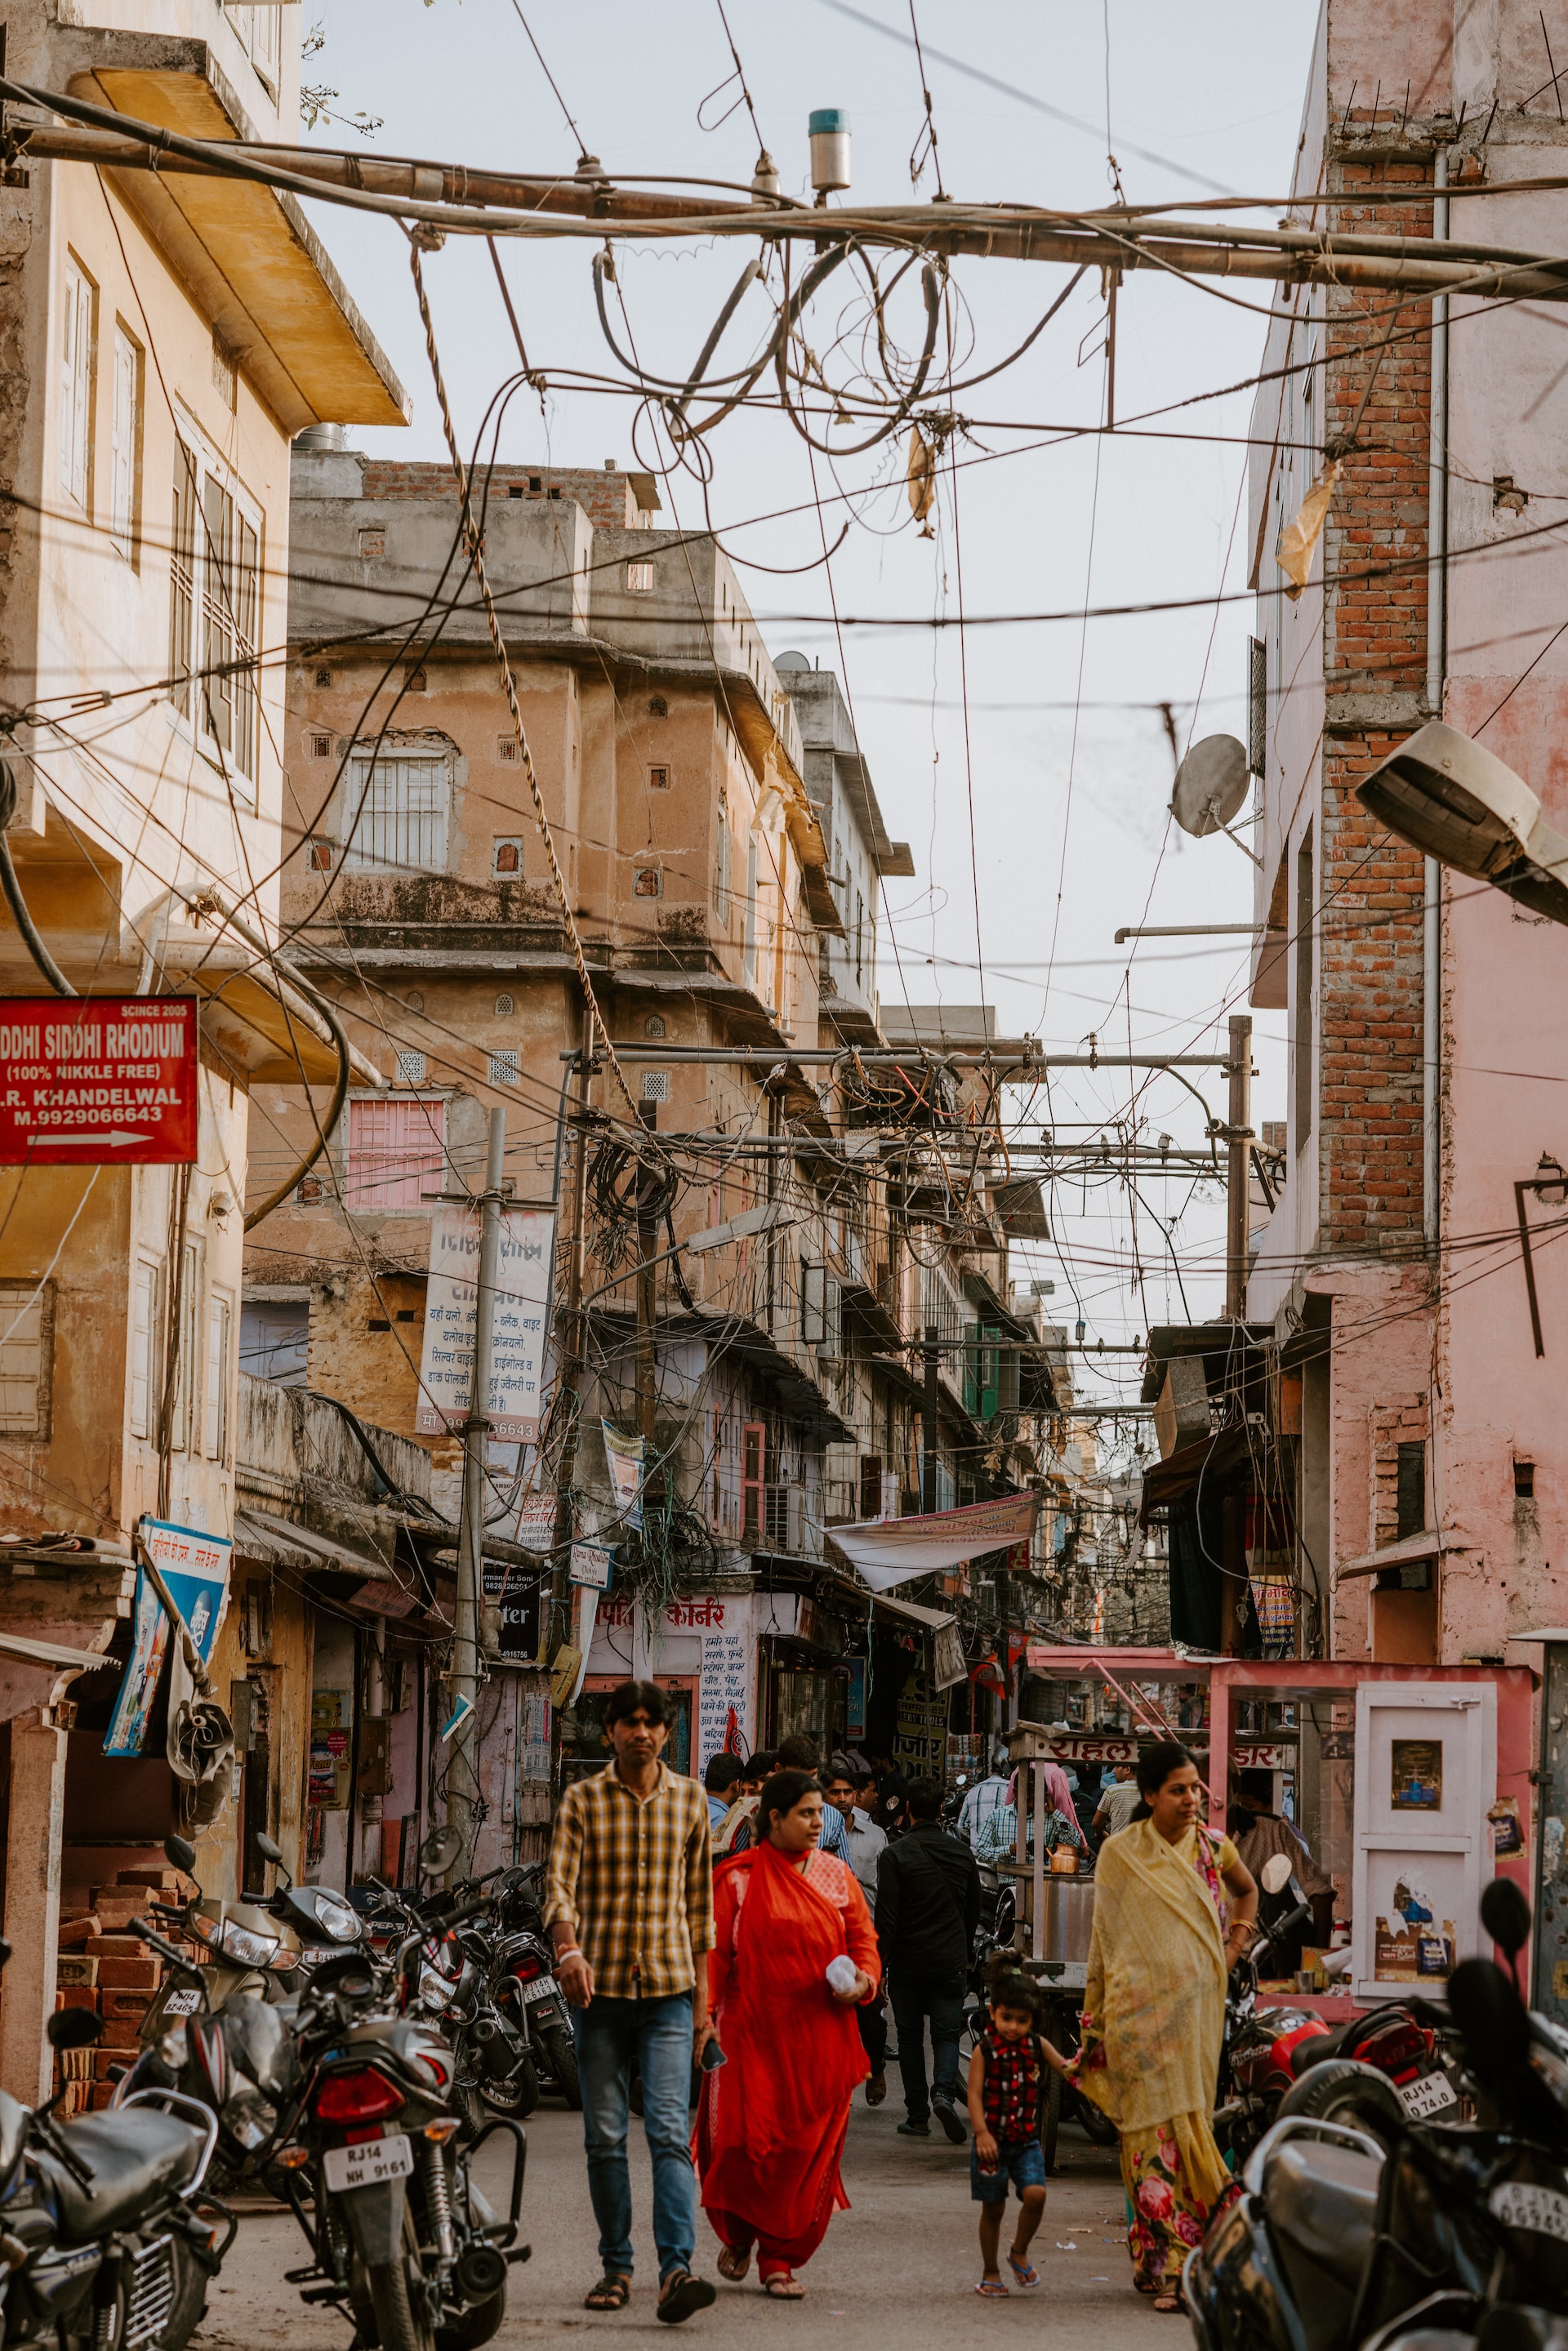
point(116, 1139)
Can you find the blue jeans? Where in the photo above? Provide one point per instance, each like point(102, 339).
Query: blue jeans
point(914, 1998)
point(658, 2032)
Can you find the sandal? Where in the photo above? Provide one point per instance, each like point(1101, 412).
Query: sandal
point(684, 2294)
point(734, 2261)
point(611, 2293)
point(1024, 2272)
point(877, 2089)
point(784, 2286)
point(991, 2288)
point(1168, 2302)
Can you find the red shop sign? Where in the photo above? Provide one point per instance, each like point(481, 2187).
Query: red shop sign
point(97, 1080)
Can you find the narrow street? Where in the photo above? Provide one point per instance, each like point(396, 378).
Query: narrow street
point(898, 2268)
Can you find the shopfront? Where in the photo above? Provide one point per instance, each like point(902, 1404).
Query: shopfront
point(1410, 1785)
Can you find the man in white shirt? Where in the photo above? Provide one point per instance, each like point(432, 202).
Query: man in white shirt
point(1117, 1802)
point(864, 1842)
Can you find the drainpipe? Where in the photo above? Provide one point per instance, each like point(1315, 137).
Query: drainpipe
point(1437, 619)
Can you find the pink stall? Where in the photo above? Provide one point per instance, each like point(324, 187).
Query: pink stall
point(1410, 1785)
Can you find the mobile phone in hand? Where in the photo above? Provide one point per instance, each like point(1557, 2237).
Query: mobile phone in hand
point(712, 2055)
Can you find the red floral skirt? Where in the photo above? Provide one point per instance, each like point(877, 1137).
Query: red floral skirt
point(1175, 2176)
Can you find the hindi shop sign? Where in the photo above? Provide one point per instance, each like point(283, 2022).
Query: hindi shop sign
point(97, 1080)
point(522, 1300)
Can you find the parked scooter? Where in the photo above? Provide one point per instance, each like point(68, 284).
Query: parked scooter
point(1390, 2232)
point(107, 2235)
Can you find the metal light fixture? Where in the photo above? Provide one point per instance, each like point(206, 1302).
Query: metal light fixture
point(1454, 802)
point(828, 129)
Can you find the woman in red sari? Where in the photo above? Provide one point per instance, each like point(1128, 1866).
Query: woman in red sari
point(771, 2124)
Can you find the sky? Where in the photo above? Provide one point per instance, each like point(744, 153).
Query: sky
point(1038, 813)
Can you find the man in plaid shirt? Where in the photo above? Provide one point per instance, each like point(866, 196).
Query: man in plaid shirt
point(629, 1906)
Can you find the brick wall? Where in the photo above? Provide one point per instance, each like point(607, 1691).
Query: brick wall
point(1374, 664)
point(607, 499)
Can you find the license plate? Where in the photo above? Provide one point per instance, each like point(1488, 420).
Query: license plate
point(184, 2002)
point(542, 1988)
point(365, 2165)
point(1524, 2205)
point(1428, 2097)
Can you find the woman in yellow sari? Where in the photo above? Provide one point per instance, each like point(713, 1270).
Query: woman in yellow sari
point(1153, 2011)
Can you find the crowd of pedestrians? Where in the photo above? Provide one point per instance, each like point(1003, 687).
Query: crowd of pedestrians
point(739, 1945)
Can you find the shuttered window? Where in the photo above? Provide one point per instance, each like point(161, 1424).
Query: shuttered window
point(215, 1395)
point(125, 454)
point(77, 361)
point(395, 1153)
point(146, 1284)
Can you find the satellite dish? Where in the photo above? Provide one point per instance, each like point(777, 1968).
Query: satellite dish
point(440, 1852)
point(1210, 785)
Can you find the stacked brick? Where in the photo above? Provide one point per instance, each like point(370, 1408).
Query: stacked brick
point(1370, 886)
point(607, 499)
point(103, 1966)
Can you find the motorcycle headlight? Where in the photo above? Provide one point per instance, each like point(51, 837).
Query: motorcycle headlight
point(242, 1944)
point(432, 1998)
point(339, 1920)
point(175, 2048)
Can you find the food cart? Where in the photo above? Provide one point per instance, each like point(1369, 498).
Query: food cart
point(1410, 1784)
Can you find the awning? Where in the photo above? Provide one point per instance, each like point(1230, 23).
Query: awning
point(931, 1618)
point(282, 1542)
point(1209, 1458)
point(1430, 1543)
point(891, 1550)
point(250, 257)
point(50, 1652)
point(261, 1023)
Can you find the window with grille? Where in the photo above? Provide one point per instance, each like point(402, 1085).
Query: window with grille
point(647, 882)
point(659, 779)
point(183, 576)
point(395, 1153)
point(656, 1085)
point(187, 1366)
point(146, 1303)
point(320, 746)
point(505, 1007)
point(640, 578)
point(411, 1069)
point(395, 813)
point(125, 452)
point(78, 337)
point(505, 1068)
point(26, 1345)
point(508, 750)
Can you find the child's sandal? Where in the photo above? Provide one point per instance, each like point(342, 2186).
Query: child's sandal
point(991, 2287)
point(1024, 2272)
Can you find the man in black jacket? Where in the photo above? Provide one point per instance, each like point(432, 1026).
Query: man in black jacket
point(927, 1908)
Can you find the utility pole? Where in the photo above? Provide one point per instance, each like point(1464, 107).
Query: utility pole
point(647, 1303)
point(572, 1346)
point(1238, 1151)
point(462, 1778)
point(931, 1413)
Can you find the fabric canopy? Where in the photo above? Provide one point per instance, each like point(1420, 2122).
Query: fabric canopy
point(891, 1551)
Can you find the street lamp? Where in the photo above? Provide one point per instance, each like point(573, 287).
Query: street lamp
point(1453, 801)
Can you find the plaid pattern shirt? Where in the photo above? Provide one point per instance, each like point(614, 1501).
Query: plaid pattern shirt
point(633, 1880)
point(1009, 2092)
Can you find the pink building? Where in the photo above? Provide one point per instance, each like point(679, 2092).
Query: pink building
point(1428, 1047)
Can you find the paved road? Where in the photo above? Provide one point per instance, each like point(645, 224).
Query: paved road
point(897, 2271)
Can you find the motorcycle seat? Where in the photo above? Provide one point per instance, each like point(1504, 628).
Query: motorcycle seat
point(133, 2154)
point(1323, 2206)
point(1320, 2046)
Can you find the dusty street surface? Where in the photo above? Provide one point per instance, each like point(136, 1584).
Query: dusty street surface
point(898, 2270)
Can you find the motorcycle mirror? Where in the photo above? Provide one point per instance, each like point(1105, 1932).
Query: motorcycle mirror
point(1505, 1914)
point(181, 1853)
point(1275, 1873)
point(73, 2028)
point(440, 1852)
point(268, 1849)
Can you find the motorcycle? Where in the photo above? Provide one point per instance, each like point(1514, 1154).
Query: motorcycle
point(1282, 2061)
point(1399, 2235)
point(493, 1981)
point(220, 2030)
point(398, 2231)
point(107, 2233)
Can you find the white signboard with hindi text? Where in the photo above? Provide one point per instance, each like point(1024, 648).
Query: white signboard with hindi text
point(522, 1302)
